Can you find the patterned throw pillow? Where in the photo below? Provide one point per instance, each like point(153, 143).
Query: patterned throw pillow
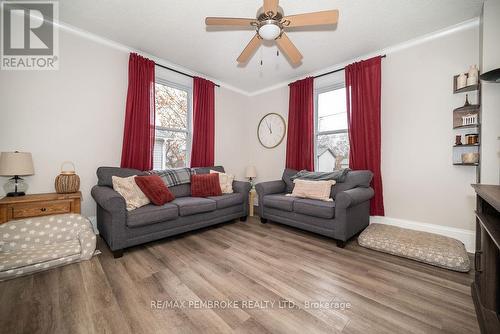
point(204, 185)
point(226, 182)
point(313, 189)
point(155, 189)
point(133, 195)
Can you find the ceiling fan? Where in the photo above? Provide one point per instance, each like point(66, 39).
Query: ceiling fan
point(270, 25)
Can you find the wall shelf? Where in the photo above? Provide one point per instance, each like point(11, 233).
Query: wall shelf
point(467, 126)
point(468, 113)
point(464, 164)
point(465, 89)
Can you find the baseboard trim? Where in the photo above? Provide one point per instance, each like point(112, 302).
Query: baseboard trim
point(467, 237)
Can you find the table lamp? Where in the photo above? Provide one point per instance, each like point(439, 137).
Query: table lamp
point(251, 173)
point(16, 164)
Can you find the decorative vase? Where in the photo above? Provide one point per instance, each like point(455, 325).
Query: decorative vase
point(472, 76)
point(471, 81)
point(461, 81)
point(473, 72)
point(67, 181)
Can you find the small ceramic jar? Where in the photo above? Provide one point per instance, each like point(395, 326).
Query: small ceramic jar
point(461, 81)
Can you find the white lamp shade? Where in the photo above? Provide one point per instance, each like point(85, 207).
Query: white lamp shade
point(16, 163)
point(251, 172)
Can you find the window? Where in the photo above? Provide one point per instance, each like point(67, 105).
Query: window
point(331, 137)
point(173, 125)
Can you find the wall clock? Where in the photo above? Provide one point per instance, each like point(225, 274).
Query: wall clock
point(271, 130)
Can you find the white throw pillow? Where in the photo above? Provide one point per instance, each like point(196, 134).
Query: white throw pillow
point(313, 189)
point(133, 195)
point(226, 182)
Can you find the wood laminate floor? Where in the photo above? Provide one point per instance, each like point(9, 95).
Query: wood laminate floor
point(249, 265)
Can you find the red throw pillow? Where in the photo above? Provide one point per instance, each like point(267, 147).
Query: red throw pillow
point(155, 189)
point(204, 185)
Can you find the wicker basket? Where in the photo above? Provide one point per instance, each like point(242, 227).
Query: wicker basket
point(67, 182)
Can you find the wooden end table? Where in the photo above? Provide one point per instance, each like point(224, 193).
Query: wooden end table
point(36, 205)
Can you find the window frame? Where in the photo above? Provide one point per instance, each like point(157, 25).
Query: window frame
point(317, 133)
point(189, 129)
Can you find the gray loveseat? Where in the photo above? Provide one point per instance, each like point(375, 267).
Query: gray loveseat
point(121, 228)
point(341, 219)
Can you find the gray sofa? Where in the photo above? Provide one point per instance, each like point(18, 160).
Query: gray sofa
point(341, 219)
point(121, 228)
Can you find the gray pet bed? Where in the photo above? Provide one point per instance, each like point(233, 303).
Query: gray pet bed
point(429, 248)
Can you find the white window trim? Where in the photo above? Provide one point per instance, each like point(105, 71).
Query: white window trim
point(317, 133)
point(189, 130)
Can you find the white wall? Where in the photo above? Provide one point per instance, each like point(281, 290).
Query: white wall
point(490, 147)
point(231, 140)
point(269, 163)
point(420, 182)
point(77, 114)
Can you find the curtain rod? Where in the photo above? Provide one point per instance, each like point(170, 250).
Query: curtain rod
point(338, 70)
point(171, 69)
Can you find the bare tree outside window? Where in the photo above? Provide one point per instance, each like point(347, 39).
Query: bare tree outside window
point(172, 127)
point(332, 140)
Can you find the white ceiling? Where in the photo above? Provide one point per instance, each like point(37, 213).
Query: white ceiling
point(174, 30)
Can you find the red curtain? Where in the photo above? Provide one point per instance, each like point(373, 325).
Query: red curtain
point(300, 140)
point(363, 86)
point(139, 133)
point(202, 152)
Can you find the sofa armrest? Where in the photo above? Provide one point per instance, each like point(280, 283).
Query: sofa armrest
point(241, 187)
point(270, 187)
point(111, 216)
point(352, 197)
point(108, 199)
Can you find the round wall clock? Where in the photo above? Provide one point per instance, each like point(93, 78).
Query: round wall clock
point(271, 130)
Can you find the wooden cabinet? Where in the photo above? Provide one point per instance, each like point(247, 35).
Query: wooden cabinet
point(486, 285)
point(37, 205)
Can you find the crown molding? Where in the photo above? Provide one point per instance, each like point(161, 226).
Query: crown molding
point(124, 48)
point(469, 24)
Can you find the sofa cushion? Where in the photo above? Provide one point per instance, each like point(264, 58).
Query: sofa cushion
point(205, 185)
point(206, 170)
point(225, 181)
point(279, 201)
point(313, 189)
point(227, 200)
point(182, 190)
point(315, 208)
point(193, 205)
point(155, 189)
point(105, 174)
point(130, 191)
point(151, 214)
point(354, 179)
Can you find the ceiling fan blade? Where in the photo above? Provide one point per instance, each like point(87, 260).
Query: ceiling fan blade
point(289, 49)
point(228, 21)
point(313, 19)
point(271, 6)
point(249, 50)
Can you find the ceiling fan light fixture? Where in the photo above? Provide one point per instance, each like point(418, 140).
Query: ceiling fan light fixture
point(269, 31)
